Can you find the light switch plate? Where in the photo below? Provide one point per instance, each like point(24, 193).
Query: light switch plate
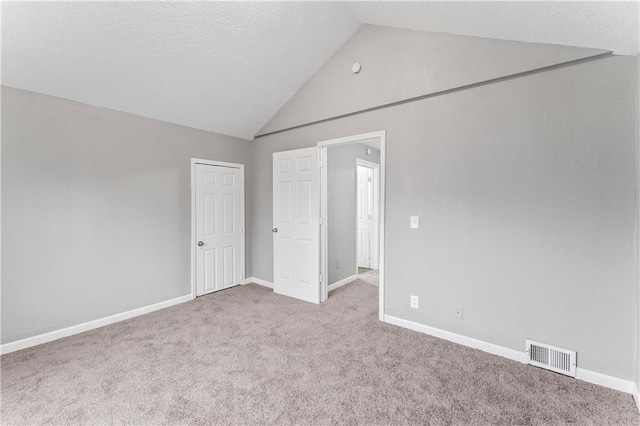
point(415, 222)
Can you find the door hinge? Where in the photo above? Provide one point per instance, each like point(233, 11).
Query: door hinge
point(241, 229)
point(320, 221)
point(320, 277)
point(240, 182)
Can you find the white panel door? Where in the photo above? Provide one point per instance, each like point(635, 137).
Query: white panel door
point(363, 216)
point(296, 224)
point(219, 226)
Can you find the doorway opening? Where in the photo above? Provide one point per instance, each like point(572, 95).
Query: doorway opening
point(352, 206)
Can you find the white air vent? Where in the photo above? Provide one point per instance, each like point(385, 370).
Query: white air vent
point(555, 359)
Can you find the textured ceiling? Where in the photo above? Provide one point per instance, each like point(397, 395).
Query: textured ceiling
point(229, 67)
point(608, 25)
point(223, 67)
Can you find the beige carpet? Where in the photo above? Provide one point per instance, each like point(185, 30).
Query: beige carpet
point(368, 275)
point(249, 356)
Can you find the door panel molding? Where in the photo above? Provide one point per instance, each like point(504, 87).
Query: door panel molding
point(364, 216)
point(375, 193)
point(241, 225)
point(296, 224)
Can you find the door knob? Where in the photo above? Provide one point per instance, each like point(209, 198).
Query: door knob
point(274, 229)
point(200, 243)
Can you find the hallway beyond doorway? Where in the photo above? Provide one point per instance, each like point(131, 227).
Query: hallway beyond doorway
point(370, 276)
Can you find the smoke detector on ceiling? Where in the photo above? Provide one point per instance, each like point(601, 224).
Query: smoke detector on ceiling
point(356, 68)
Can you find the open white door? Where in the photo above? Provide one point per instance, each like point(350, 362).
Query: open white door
point(296, 224)
point(364, 216)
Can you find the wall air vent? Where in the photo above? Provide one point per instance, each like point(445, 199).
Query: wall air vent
point(551, 358)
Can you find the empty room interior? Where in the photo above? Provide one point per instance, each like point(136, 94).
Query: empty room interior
point(320, 213)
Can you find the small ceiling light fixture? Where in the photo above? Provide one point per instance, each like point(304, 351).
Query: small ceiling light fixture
point(356, 68)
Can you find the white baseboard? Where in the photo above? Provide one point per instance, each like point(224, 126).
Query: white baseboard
point(269, 284)
point(342, 282)
point(90, 325)
point(626, 386)
point(611, 382)
point(259, 281)
point(636, 395)
point(458, 338)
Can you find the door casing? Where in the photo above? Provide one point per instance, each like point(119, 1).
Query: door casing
point(195, 161)
point(379, 136)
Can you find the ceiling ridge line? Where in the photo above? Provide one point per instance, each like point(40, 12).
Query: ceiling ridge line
point(444, 92)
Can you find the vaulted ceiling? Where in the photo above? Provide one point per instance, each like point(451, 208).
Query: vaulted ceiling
point(610, 25)
point(228, 67)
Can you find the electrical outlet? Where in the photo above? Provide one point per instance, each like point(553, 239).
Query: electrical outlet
point(457, 312)
point(414, 302)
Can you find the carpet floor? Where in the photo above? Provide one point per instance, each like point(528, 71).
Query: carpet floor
point(369, 276)
point(248, 356)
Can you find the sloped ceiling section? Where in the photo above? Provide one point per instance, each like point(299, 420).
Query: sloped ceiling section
point(401, 64)
point(610, 25)
point(225, 67)
point(228, 67)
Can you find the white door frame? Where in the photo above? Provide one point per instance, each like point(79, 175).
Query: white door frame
point(195, 161)
point(379, 136)
point(375, 202)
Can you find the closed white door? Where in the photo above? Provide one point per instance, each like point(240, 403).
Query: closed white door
point(363, 216)
point(219, 221)
point(296, 224)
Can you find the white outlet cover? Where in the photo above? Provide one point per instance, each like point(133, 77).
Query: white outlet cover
point(415, 302)
point(415, 222)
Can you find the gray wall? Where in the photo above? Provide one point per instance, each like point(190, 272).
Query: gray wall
point(526, 195)
point(638, 218)
point(95, 210)
point(341, 207)
point(414, 63)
